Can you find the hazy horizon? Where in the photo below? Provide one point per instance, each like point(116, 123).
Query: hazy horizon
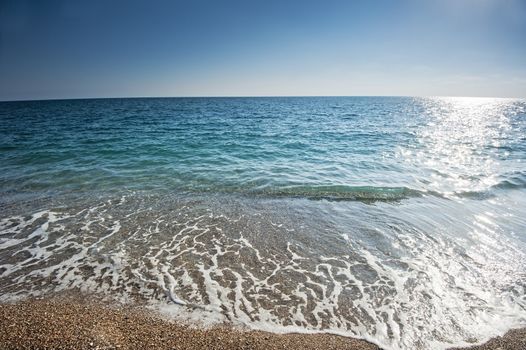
point(64, 49)
point(257, 96)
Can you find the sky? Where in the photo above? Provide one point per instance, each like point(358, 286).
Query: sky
point(126, 48)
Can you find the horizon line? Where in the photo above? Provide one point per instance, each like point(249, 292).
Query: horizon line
point(248, 96)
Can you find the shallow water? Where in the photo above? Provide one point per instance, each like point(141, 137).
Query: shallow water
point(398, 220)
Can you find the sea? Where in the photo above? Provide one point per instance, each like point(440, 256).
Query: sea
point(399, 220)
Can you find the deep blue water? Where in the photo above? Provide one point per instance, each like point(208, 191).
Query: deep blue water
point(397, 219)
point(315, 147)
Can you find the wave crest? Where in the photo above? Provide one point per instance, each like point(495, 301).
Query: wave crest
point(344, 192)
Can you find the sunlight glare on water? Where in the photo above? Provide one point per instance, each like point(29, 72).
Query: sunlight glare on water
point(461, 145)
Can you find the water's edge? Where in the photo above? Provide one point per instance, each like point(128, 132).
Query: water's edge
point(80, 302)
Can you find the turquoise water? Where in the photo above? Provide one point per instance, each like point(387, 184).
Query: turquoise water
point(399, 220)
point(348, 148)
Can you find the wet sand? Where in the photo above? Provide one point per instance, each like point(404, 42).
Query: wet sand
point(72, 323)
point(513, 340)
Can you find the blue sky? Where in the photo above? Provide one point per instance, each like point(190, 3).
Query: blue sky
point(70, 49)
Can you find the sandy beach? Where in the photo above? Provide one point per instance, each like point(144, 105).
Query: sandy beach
point(73, 323)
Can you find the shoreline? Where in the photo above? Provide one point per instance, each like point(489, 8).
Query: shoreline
point(74, 322)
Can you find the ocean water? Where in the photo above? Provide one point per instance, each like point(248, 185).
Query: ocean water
point(398, 220)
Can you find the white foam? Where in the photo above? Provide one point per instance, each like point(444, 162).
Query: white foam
point(197, 268)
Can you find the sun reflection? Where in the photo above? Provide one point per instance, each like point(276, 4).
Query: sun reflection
point(459, 143)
